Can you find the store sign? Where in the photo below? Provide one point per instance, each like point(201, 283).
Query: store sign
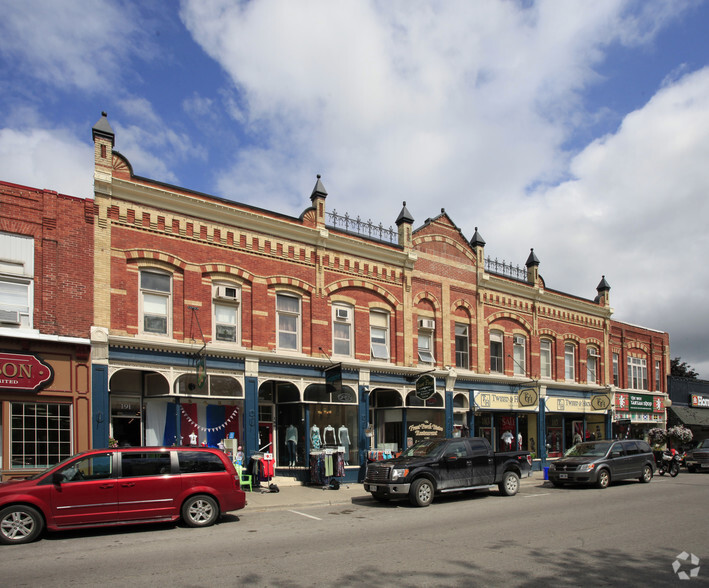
point(528, 397)
point(24, 372)
point(699, 401)
point(333, 379)
point(600, 402)
point(425, 430)
point(504, 401)
point(638, 402)
point(565, 404)
point(425, 386)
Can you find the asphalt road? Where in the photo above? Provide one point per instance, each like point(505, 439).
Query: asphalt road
point(627, 535)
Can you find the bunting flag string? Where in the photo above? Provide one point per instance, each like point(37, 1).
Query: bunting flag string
point(232, 416)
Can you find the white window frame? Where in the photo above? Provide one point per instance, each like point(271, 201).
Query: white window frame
point(425, 346)
point(342, 330)
point(290, 316)
point(592, 357)
point(658, 375)
point(462, 358)
point(219, 305)
point(379, 335)
point(35, 426)
point(616, 369)
point(16, 281)
point(546, 369)
point(637, 373)
point(147, 293)
point(497, 361)
point(570, 362)
point(519, 353)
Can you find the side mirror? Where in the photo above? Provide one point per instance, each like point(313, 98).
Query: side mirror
point(57, 478)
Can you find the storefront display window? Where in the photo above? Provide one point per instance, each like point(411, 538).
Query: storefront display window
point(40, 434)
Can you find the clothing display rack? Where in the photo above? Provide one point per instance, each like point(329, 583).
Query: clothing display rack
point(327, 464)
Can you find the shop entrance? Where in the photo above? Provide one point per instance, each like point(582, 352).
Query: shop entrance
point(126, 421)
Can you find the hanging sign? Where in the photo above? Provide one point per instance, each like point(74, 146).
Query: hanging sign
point(333, 380)
point(600, 402)
point(528, 397)
point(24, 372)
point(425, 386)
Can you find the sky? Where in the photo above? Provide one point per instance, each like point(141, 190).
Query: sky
point(579, 129)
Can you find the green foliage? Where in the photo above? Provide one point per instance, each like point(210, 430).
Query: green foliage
point(681, 369)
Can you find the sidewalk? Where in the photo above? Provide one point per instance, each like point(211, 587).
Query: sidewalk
point(296, 495)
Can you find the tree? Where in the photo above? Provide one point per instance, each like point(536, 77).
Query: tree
point(681, 369)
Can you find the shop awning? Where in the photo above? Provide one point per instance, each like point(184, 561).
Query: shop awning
point(691, 416)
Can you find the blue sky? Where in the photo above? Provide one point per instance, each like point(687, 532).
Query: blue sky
point(580, 129)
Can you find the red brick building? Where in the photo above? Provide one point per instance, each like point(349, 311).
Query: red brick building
point(46, 312)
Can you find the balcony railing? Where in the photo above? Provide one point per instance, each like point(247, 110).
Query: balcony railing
point(366, 229)
point(502, 268)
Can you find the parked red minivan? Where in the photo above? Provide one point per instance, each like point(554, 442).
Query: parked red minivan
point(121, 486)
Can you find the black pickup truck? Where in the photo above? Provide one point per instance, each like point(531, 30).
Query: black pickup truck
point(436, 466)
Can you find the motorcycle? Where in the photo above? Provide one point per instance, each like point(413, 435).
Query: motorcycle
point(669, 462)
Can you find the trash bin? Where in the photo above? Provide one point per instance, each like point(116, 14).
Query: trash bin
point(546, 473)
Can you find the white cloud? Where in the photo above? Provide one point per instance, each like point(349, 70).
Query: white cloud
point(52, 159)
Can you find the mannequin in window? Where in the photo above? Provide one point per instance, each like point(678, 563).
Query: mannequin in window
point(315, 439)
point(291, 443)
point(343, 436)
point(193, 438)
point(519, 441)
point(507, 438)
point(328, 436)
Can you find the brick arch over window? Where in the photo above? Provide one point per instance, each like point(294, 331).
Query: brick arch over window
point(571, 338)
point(293, 282)
point(465, 305)
point(143, 255)
point(508, 315)
point(548, 333)
point(425, 295)
point(447, 240)
point(227, 271)
point(638, 348)
point(343, 284)
point(593, 342)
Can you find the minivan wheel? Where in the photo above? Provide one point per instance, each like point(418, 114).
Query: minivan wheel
point(604, 479)
point(647, 474)
point(421, 493)
point(20, 524)
point(200, 511)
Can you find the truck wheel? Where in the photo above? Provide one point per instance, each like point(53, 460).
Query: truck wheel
point(20, 524)
point(510, 484)
point(647, 474)
point(421, 493)
point(604, 479)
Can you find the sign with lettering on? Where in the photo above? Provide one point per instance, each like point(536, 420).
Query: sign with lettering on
point(699, 401)
point(626, 401)
point(600, 401)
point(506, 400)
point(24, 372)
point(528, 397)
point(425, 386)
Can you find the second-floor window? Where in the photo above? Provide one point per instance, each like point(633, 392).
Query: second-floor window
point(497, 363)
point(462, 345)
point(379, 334)
point(658, 376)
point(226, 298)
point(16, 281)
point(637, 373)
point(519, 353)
point(425, 341)
point(616, 369)
point(592, 365)
point(342, 320)
point(156, 302)
point(288, 321)
point(545, 362)
point(570, 362)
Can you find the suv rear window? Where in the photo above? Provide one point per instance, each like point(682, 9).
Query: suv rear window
point(644, 447)
point(192, 462)
point(135, 464)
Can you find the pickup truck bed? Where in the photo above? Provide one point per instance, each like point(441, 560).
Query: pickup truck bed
point(436, 466)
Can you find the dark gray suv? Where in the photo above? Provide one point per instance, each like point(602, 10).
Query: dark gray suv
point(601, 462)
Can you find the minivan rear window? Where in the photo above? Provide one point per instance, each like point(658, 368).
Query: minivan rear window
point(137, 463)
point(192, 462)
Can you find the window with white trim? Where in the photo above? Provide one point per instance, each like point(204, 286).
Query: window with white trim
point(16, 281)
point(497, 358)
point(462, 346)
point(545, 359)
point(288, 321)
point(156, 302)
point(519, 353)
point(658, 376)
point(592, 365)
point(379, 334)
point(226, 309)
point(616, 369)
point(425, 341)
point(570, 362)
point(342, 331)
point(637, 373)
point(40, 434)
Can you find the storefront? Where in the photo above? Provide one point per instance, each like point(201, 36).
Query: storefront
point(635, 414)
point(694, 416)
point(572, 417)
point(45, 405)
point(506, 420)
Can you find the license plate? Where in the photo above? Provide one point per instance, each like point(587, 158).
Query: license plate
point(563, 476)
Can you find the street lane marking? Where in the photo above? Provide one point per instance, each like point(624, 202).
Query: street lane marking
point(305, 515)
point(535, 495)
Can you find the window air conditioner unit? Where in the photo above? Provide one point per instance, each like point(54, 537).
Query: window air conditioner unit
point(519, 340)
point(593, 352)
point(427, 324)
point(342, 314)
point(227, 293)
point(9, 317)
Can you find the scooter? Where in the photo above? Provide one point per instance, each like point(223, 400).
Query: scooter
point(669, 463)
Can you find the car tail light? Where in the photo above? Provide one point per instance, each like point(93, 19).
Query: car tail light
point(236, 482)
point(529, 459)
